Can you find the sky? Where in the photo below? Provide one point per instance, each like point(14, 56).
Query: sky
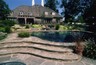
point(15, 3)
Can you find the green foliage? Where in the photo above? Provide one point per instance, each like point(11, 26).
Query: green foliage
point(4, 10)
point(81, 20)
point(2, 35)
point(37, 26)
point(57, 27)
point(7, 29)
point(90, 49)
point(5, 23)
point(23, 34)
point(71, 9)
point(52, 4)
point(65, 27)
point(2, 29)
point(90, 17)
point(27, 26)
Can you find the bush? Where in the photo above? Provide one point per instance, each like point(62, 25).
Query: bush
point(2, 35)
point(90, 49)
point(57, 27)
point(2, 29)
point(27, 26)
point(5, 23)
point(7, 29)
point(23, 34)
point(37, 26)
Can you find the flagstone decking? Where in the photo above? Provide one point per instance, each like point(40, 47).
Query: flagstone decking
point(35, 51)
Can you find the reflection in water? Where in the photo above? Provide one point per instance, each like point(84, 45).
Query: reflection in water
point(58, 36)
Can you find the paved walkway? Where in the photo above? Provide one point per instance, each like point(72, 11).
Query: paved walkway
point(33, 60)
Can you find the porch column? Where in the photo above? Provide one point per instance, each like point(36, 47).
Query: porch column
point(17, 20)
point(25, 21)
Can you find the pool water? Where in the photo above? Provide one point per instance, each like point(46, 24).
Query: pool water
point(57, 36)
point(12, 63)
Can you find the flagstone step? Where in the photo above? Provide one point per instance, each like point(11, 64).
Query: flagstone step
point(40, 41)
point(38, 46)
point(39, 53)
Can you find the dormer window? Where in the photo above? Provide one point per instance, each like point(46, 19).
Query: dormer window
point(53, 13)
point(30, 14)
point(21, 13)
point(11, 13)
point(46, 13)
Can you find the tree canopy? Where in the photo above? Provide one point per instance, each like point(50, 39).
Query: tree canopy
point(4, 10)
point(73, 8)
point(70, 8)
point(52, 4)
point(90, 16)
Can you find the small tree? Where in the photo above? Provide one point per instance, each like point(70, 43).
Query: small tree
point(90, 49)
point(4, 10)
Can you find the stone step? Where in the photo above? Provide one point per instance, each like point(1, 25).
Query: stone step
point(39, 53)
point(43, 43)
point(39, 46)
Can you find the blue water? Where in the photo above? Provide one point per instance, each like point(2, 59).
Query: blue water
point(58, 36)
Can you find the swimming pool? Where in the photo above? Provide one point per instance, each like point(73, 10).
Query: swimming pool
point(63, 36)
point(12, 63)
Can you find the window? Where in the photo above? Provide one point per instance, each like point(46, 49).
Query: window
point(53, 13)
point(11, 13)
point(30, 14)
point(21, 13)
point(46, 13)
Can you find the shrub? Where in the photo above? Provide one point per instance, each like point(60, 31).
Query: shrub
point(23, 34)
point(37, 26)
point(7, 29)
point(27, 26)
point(2, 29)
point(5, 23)
point(2, 35)
point(90, 49)
point(57, 27)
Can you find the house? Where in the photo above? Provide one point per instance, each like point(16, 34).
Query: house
point(35, 14)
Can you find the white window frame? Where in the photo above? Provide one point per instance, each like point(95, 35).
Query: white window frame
point(53, 13)
point(30, 14)
point(21, 13)
point(46, 13)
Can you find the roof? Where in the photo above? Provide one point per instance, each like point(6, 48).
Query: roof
point(36, 10)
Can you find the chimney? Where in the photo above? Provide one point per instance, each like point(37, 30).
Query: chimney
point(42, 3)
point(33, 2)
